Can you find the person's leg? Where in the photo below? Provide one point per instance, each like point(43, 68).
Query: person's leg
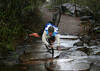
point(47, 48)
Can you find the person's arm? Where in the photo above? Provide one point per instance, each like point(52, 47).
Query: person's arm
point(44, 38)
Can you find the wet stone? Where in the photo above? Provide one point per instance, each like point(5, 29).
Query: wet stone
point(69, 58)
point(68, 43)
point(78, 53)
point(80, 43)
point(36, 67)
point(85, 50)
point(71, 54)
point(35, 56)
point(98, 53)
point(64, 55)
point(93, 42)
point(95, 50)
point(67, 65)
point(95, 67)
point(85, 38)
point(71, 37)
point(63, 48)
point(85, 18)
point(69, 61)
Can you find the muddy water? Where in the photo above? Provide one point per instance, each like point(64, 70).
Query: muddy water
point(34, 57)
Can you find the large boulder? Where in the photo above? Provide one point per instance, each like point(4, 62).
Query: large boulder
point(85, 50)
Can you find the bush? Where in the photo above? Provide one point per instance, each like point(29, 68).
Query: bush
point(17, 16)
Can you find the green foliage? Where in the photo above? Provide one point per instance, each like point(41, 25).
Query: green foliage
point(16, 16)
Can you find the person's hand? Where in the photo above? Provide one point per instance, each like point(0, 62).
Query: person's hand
point(51, 46)
point(58, 48)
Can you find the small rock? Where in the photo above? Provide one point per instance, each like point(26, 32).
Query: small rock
point(78, 53)
point(93, 42)
point(64, 55)
point(85, 39)
point(98, 53)
point(85, 50)
point(80, 43)
point(84, 22)
point(86, 18)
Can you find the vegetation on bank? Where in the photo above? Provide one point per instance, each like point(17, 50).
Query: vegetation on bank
point(16, 17)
